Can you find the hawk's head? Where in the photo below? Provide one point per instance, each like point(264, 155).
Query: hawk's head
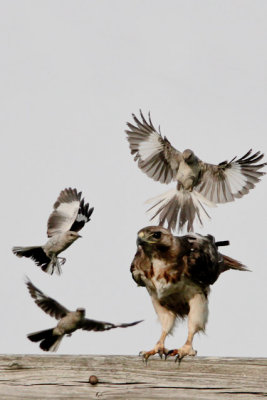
point(153, 238)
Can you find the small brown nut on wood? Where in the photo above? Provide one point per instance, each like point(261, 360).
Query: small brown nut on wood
point(93, 380)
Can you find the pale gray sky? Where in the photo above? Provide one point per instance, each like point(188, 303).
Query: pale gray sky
point(72, 72)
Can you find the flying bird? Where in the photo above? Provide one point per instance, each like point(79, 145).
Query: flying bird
point(199, 184)
point(69, 321)
point(177, 272)
point(69, 216)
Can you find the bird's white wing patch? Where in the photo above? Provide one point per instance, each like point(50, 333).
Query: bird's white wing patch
point(81, 217)
point(69, 210)
point(235, 179)
point(226, 181)
point(62, 217)
point(156, 156)
point(148, 148)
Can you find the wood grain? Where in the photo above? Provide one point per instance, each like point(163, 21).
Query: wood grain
point(127, 377)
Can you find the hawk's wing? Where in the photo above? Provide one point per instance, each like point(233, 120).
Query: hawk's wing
point(70, 213)
point(203, 262)
point(92, 325)
point(229, 180)
point(156, 156)
point(47, 304)
point(201, 259)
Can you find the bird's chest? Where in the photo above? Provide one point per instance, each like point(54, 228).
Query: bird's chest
point(56, 244)
point(170, 283)
point(163, 278)
point(68, 324)
point(186, 173)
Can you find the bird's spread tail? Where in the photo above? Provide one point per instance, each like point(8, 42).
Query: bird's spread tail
point(37, 254)
point(179, 208)
point(231, 263)
point(40, 335)
point(49, 342)
point(28, 252)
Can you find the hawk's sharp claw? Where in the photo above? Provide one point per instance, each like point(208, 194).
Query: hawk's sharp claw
point(146, 354)
point(178, 359)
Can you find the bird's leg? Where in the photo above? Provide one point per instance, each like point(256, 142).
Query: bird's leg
point(197, 319)
point(62, 260)
point(56, 264)
point(167, 319)
point(158, 349)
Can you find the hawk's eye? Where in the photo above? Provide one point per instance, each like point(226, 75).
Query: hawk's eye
point(157, 235)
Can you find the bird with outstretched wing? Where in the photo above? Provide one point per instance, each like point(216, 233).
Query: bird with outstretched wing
point(69, 216)
point(198, 184)
point(69, 321)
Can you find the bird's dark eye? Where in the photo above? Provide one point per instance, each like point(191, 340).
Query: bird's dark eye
point(157, 235)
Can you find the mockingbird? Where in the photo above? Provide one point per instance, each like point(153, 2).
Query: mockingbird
point(198, 183)
point(69, 216)
point(177, 272)
point(69, 321)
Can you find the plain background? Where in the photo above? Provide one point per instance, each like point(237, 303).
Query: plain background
point(72, 72)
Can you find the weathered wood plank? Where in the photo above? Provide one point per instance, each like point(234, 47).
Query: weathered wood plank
point(126, 377)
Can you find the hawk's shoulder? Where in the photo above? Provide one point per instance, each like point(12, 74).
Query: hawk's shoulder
point(141, 267)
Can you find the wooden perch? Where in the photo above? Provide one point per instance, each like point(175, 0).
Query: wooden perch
point(32, 377)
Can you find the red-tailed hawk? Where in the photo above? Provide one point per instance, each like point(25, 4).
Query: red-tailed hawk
point(69, 321)
point(177, 273)
point(199, 184)
point(68, 218)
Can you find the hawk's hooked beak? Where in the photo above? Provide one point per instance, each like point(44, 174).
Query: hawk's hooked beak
point(141, 238)
point(144, 238)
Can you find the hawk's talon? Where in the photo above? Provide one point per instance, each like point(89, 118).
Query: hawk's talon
point(178, 359)
point(181, 353)
point(160, 353)
point(146, 354)
point(171, 353)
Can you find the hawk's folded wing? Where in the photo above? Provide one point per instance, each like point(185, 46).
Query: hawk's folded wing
point(156, 156)
point(92, 325)
point(47, 304)
point(229, 180)
point(203, 262)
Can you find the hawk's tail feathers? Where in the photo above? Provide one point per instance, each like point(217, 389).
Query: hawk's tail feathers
point(231, 263)
point(178, 208)
point(49, 342)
